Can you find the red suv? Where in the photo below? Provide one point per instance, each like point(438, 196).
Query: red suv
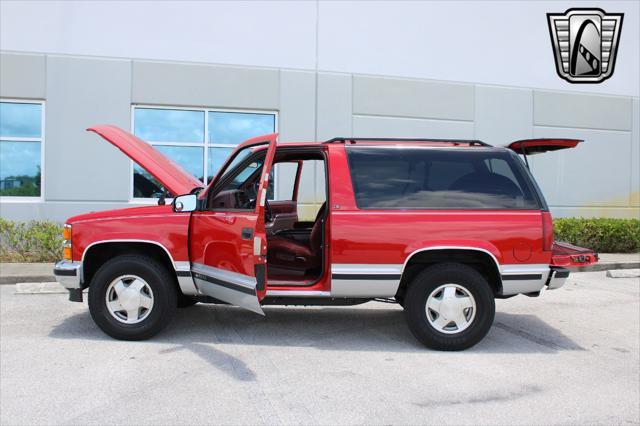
point(441, 227)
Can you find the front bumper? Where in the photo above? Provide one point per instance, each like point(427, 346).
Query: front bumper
point(557, 277)
point(69, 274)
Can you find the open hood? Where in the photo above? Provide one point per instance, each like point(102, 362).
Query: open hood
point(538, 146)
point(168, 173)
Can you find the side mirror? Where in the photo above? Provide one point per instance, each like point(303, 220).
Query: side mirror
point(185, 203)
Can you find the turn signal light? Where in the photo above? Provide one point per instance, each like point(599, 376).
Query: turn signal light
point(66, 252)
point(66, 232)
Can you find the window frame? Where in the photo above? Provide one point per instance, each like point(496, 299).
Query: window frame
point(205, 145)
point(41, 139)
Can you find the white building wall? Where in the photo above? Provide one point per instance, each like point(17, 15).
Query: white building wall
point(499, 42)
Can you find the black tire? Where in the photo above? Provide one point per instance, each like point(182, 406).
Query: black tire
point(429, 280)
point(185, 301)
point(157, 277)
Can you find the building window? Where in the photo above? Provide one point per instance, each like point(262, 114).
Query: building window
point(21, 138)
point(199, 140)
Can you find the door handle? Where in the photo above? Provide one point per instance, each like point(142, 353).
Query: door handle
point(247, 233)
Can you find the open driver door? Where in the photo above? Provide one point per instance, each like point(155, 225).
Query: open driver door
point(227, 242)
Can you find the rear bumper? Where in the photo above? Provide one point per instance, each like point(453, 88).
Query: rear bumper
point(557, 278)
point(68, 274)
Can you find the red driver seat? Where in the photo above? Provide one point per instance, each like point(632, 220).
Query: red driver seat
point(288, 253)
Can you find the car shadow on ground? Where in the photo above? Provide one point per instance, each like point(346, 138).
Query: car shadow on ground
point(329, 328)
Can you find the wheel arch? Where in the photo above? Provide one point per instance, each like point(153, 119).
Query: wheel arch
point(98, 252)
point(481, 259)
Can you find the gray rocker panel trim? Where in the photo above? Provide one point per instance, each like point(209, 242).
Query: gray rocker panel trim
point(365, 280)
point(231, 287)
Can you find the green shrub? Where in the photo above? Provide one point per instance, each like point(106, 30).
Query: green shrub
point(33, 241)
point(602, 235)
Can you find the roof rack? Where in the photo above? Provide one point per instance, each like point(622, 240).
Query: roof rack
point(470, 142)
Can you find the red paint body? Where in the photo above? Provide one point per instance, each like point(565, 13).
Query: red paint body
point(353, 236)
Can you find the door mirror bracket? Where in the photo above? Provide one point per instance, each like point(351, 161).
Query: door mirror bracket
point(185, 203)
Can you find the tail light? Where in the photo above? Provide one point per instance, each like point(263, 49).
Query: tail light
point(547, 231)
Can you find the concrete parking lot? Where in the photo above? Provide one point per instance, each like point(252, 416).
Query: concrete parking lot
point(570, 356)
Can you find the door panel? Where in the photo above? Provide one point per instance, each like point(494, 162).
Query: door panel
point(228, 248)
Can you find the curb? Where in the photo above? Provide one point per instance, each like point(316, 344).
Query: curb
point(607, 266)
point(15, 279)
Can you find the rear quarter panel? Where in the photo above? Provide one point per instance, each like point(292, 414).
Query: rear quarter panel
point(391, 236)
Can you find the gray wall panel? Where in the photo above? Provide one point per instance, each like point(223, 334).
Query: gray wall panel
point(334, 105)
point(389, 127)
point(584, 111)
point(412, 98)
point(297, 120)
point(503, 115)
point(634, 196)
point(595, 174)
point(615, 212)
point(205, 85)
point(22, 76)
point(81, 92)
point(55, 211)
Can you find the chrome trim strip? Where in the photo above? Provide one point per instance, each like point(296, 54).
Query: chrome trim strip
point(297, 293)
point(524, 268)
point(450, 248)
point(365, 268)
point(130, 241)
point(68, 274)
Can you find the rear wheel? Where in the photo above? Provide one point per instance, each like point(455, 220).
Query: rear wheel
point(132, 297)
point(449, 306)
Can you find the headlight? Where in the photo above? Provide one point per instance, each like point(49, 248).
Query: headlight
point(66, 234)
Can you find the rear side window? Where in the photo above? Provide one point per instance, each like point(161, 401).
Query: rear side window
point(427, 178)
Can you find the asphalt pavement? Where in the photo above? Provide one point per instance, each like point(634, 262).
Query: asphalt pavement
point(570, 356)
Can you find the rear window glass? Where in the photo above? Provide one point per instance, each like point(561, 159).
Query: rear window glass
point(427, 178)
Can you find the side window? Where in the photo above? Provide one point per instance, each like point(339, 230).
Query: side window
point(243, 175)
point(21, 137)
point(237, 190)
point(415, 178)
point(286, 176)
point(442, 174)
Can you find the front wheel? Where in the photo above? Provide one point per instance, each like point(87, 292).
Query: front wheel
point(132, 297)
point(449, 306)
